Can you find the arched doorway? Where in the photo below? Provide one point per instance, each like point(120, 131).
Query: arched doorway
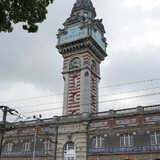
point(69, 151)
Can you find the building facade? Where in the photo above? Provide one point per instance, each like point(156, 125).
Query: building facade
point(128, 134)
point(83, 133)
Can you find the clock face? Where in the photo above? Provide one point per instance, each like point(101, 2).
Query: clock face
point(98, 38)
point(73, 34)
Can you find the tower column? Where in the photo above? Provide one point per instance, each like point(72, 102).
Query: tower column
point(83, 46)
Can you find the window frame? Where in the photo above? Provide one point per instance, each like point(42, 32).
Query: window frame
point(46, 145)
point(8, 147)
point(98, 142)
point(26, 146)
point(127, 140)
point(155, 138)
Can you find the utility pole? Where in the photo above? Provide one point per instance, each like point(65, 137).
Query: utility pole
point(56, 142)
point(3, 128)
point(56, 127)
point(35, 135)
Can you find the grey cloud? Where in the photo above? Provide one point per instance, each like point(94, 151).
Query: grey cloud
point(33, 58)
point(132, 65)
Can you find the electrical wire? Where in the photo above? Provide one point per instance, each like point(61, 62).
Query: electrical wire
point(131, 91)
point(60, 102)
point(110, 100)
point(58, 94)
point(107, 101)
point(130, 83)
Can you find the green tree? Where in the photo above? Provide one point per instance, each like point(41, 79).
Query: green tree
point(29, 12)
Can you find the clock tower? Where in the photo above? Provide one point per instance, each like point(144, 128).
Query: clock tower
point(83, 46)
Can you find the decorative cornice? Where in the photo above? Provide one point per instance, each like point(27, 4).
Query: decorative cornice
point(82, 45)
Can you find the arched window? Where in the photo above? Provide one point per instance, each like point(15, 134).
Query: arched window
point(69, 151)
point(126, 140)
point(75, 63)
point(26, 146)
point(98, 142)
point(47, 144)
point(155, 138)
point(8, 147)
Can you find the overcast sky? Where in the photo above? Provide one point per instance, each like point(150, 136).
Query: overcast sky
point(30, 65)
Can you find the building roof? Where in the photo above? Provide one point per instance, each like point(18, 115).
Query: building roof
point(84, 2)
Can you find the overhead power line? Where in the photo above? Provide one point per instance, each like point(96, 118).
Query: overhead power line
point(130, 83)
point(113, 94)
point(131, 91)
point(110, 100)
point(60, 94)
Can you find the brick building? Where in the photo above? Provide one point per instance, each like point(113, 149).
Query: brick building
point(132, 134)
point(128, 134)
point(82, 132)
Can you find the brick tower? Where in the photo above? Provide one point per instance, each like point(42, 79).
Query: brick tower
point(83, 46)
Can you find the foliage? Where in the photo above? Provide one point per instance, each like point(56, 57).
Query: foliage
point(29, 12)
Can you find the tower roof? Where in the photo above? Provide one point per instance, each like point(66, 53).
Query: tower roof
point(84, 5)
point(83, 2)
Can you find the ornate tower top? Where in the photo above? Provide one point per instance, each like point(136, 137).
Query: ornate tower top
point(83, 5)
point(82, 27)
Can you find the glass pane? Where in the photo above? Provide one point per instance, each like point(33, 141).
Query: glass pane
point(98, 143)
point(122, 141)
point(131, 141)
point(126, 141)
point(70, 145)
point(158, 139)
point(102, 142)
point(94, 143)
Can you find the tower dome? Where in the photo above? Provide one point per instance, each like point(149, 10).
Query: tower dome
point(83, 5)
point(83, 2)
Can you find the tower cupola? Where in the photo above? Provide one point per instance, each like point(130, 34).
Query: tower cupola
point(84, 8)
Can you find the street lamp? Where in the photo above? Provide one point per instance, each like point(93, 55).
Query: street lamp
point(35, 135)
